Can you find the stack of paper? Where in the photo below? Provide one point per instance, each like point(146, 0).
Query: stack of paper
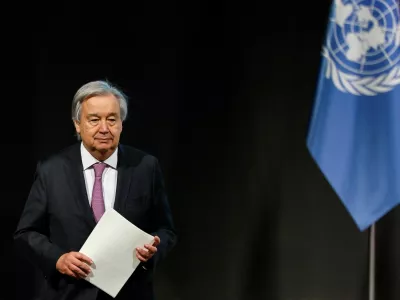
point(112, 248)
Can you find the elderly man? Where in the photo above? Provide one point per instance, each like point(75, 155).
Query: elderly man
point(74, 187)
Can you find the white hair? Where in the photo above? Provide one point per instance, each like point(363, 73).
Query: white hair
point(98, 88)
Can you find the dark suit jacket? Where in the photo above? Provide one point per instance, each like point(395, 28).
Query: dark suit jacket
point(57, 218)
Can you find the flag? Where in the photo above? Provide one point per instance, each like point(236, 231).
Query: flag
point(354, 133)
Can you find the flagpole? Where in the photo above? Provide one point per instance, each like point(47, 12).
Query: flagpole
point(371, 285)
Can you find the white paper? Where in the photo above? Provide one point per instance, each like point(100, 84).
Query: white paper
point(112, 247)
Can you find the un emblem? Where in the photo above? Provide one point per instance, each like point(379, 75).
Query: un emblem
point(362, 46)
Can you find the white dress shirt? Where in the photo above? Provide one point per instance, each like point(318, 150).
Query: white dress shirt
point(109, 178)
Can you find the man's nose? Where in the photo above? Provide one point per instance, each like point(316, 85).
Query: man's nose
point(103, 126)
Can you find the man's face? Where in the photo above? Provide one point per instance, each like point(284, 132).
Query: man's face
point(100, 124)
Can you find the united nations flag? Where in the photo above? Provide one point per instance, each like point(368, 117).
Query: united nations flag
point(354, 134)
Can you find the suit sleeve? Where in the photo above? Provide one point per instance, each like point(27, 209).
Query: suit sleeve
point(161, 218)
point(31, 235)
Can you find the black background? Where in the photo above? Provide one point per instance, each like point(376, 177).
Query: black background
point(222, 94)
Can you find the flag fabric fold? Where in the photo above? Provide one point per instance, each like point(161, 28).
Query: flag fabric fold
point(354, 133)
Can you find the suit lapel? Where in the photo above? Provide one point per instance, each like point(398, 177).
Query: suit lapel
point(123, 181)
point(77, 184)
point(76, 179)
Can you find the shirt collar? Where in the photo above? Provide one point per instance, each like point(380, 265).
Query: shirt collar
point(88, 160)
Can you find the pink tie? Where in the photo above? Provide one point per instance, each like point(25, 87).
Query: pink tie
point(97, 195)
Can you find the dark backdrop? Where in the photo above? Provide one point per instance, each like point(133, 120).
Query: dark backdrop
point(221, 93)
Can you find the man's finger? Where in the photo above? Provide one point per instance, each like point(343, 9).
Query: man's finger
point(83, 258)
point(81, 265)
point(157, 241)
point(70, 273)
point(77, 271)
point(151, 248)
point(143, 252)
point(84, 267)
point(140, 257)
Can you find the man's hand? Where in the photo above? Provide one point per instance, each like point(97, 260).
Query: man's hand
point(144, 254)
point(74, 264)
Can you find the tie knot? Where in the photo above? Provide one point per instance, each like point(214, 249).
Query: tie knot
point(99, 168)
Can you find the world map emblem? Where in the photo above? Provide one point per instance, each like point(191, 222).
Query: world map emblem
point(362, 47)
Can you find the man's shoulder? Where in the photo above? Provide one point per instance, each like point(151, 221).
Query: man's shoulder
point(134, 156)
point(133, 151)
point(56, 159)
point(70, 155)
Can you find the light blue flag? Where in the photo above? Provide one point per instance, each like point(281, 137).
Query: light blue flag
point(354, 135)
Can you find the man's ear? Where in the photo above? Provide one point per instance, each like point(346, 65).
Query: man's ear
point(77, 126)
